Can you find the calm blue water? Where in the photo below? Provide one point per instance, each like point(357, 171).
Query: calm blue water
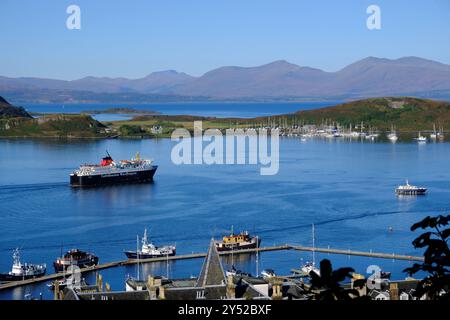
point(220, 110)
point(345, 188)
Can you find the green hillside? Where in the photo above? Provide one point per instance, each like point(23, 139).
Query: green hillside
point(57, 125)
point(406, 114)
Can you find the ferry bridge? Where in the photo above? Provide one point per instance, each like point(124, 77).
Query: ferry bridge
point(107, 265)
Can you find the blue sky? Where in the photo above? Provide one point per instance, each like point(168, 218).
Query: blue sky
point(134, 38)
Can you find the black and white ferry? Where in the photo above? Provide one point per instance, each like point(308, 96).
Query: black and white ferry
point(111, 172)
point(149, 250)
point(408, 189)
point(23, 271)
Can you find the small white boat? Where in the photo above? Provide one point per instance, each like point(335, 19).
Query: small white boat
point(434, 135)
point(420, 138)
point(268, 273)
point(392, 136)
point(311, 266)
point(408, 189)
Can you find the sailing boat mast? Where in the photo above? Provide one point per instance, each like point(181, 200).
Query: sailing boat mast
point(167, 265)
point(257, 256)
point(313, 245)
point(137, 252)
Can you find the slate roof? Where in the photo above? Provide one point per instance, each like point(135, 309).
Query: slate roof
point(212, 273)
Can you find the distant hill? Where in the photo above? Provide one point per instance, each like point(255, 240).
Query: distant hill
point(9, 111)
point(279, 80)
point(405, 113)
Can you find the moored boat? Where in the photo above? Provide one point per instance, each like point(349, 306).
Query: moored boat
point(420, 138)
point(66, 282)
point(75, 257)
point(268, 273)
point(310, 266)
point(392, 136)
point(239, 241)
point(149, 250)
point(23, 271)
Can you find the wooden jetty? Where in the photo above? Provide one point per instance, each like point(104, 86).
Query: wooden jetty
point(113, 264)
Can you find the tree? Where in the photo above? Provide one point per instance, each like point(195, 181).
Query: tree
point(436, 258)
point(326, 286)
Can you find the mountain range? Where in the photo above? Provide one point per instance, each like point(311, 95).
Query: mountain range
point(279, 80)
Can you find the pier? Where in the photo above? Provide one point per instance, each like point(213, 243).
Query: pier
point(113, 264)
point(360, 253)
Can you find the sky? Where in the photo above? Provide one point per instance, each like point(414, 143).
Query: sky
point(134, 38)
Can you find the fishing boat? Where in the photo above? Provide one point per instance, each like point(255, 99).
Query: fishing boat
point(310, 266)
point(239, 241)
point(76, 258)
point(149, 250)
point(408, 189)
point(23, 271)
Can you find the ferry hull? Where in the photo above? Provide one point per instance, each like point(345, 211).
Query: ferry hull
point(107, 179)
point(5, 277)
point(134, 255)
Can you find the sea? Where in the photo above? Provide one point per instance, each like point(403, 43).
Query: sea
point(219, 109)
point(344, 187)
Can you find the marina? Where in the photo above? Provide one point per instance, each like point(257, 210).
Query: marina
point(202, 255)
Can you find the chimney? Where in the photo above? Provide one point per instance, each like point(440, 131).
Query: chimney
point(231, 288)
point(393, 289)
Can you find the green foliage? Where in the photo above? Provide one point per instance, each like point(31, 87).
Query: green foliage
point(131, 130)
point(436, 258)
point(326, 286)
point(61, 125)
point(406, 114)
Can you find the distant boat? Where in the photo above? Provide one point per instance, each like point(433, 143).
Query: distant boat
point(420, 138)
point(22, 271)
point(440, 134)
point(392, 136)
point(433, 136)
point(408, 189)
